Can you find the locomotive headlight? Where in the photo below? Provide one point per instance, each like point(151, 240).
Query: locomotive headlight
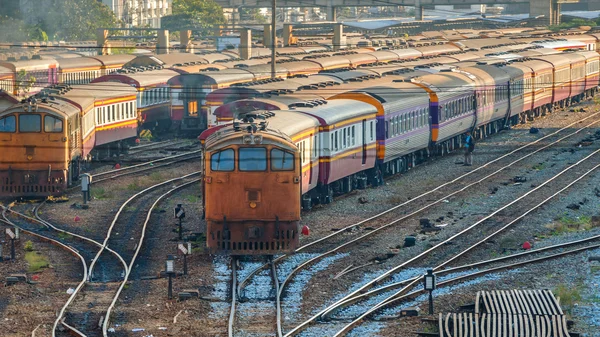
point(257, 139)
point(247, 139)
point(252, 204)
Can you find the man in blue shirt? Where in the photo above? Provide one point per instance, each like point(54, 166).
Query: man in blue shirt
point(469, 147)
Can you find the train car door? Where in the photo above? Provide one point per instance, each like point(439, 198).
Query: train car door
point(364, 141)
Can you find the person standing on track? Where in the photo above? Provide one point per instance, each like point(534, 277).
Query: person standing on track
point(469, 147)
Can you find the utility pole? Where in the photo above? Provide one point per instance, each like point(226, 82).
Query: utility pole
point(273, 37)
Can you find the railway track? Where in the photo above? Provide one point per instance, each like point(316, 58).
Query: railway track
point(153, 146)
point(373, 222)
point(247, 313)
point(92, 302)
point(359, 294)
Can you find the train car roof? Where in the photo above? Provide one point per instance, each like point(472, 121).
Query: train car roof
point(216, 57)
point(80, 62)
point(560, 44)
point(309, 66)
point(5, 71)
point(291, 122)
point(561, 59)
point(60, 56)
point(86, 95)
point(490, 75)
point(385, 56)
point(513, 72)
point(349, 75)
point(360, 59)
point(165, 60)
point(234, 75)
point(588, 54)
point(406, 53)
point(140, 79)
point(447, 84)
point(339, 110)
point(437, 49)
point(262, 71)
point(407, 92)
point(7, 100)
point(535, 65)
point(29, 65)
point(320, 80)
point(333, 62)
point(112, 60)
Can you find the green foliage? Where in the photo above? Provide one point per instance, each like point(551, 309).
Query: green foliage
point(574, 24)
point(64, 236)
point(199, 15)
point(568, 296)
point(566, 224)
point(192, 199)
point(57, 20)
point(134, 186)
point(539, 166)
point(253, 14)
point(100, 193)
point(156, 176)
point(36, 261)
point(28, 246)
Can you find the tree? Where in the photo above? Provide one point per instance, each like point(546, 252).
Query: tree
point(198, 15)
point(24, 84)
point(78, 19)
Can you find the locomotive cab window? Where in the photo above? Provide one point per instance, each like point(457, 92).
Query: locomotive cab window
point(222, 160)
point(30, 123)
point(52, 124)
point(281, 160)
point(8, 124)
point(252, 159)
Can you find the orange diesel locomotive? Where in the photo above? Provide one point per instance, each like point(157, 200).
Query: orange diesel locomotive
point(252, 187)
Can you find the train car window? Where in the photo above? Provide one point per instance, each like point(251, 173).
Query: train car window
point(30, 123)
point(113, 114)
point(52, 124)
point(8, 124)
point(222, 161)
point(372, 130)
point(281, 160)
point(353, 136)
point(336, 141)
point(343, 139)
point(253, 158)
point(315, 147)
point(331, 145)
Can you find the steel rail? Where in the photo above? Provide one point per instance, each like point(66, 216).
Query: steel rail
point(376, 216)
point(277, 296)
point(346, 299)
point(233, 297)
point(392, 298)
point(137, 251)
point(475, 264)
point(439, 200)
point(145, 169)
point(135, 196)
point(144, 164)
point(151, 146)
point(67, 247)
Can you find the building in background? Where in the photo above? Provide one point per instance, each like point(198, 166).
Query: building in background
point(137, 13)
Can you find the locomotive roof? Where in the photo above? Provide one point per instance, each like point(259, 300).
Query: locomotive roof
point(7, 100)
point(57, 106)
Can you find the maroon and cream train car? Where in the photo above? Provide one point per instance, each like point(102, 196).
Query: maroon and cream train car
point(561, 77)
point(542, 80)
point(109, 117)
point(153, 94)
point(346, 146)
point(592, 71)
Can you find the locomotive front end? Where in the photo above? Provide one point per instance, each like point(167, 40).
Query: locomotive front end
point(34, 145)
point(251, 190)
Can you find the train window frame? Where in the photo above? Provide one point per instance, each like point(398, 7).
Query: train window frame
point(218, 162)
point(285, 153)
point(21, 123)
point(54, 130)
point(3, 125)
point(242, 150)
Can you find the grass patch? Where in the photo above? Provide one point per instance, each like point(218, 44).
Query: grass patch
point(192, 199)
point(594, 269)
point(100, 193)
point(36, 261)
point(64, 236)
point(134, 186)
point(568, 296)
point(539, 166)
point(28, 246)
point(566, 224)
point(156, 176)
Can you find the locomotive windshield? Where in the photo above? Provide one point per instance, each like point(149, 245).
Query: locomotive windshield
point(8, 124)
point(30, 123)
point(281, 160)
point(222, 161)
point(52, 124)
point(253, 159)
